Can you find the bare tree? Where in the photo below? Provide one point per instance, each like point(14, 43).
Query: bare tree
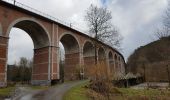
point(25, 69)
point(24, 62)
point(101, 27)
point(164, 31)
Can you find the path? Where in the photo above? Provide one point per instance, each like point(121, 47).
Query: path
point(53, 93)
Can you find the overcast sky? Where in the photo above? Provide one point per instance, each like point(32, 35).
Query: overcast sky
point(135, 19)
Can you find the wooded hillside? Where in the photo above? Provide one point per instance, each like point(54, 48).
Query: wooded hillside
point(151, 60)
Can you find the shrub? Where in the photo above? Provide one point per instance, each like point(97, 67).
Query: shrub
point(101, 80)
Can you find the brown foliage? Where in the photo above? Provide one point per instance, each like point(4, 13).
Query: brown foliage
point(101, 81)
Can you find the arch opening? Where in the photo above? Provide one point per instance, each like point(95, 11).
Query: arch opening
point(116, 63)
point(15, 47)
point(70, 44)
point(111, 63)
point(61, 61)
point(41, 42)
point(89, 57)
point(111, 57)
point(115, 57)
point(19, 59)
point(71, 57)
point(88, 50)
point(35, 31)
point(101, 55)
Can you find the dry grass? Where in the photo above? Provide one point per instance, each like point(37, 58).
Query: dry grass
point(101, 80)
point(132, 94)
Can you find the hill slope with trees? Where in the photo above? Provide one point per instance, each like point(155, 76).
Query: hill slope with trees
point(151, 60)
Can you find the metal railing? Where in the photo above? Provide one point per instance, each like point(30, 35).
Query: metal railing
point(23, 6)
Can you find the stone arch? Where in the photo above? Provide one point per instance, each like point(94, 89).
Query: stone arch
point(119, 64)
point(41, 41)
point(35, 30)
point(101, 54)
point(88, 56)
point(116, 62)
point(119, 58)
point(72, 55)
point(111, 62)
point(110, 56)
point(72, 35)
point(70, 43)
point(115, 57)
point(88, 49)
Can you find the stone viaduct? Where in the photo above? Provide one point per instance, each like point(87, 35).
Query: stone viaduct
point(46, 35)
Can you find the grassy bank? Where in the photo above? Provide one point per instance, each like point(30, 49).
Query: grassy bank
point(77, 93)
point(135, 94)
point(5, 92)
point(80, 93)
point(144, 94)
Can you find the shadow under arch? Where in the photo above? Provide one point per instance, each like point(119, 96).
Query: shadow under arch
point(110, 57)
point(89, 57)
point(34, 29)
point(88, 49)
point(72, 35)
point(116, 62)
point(101, 55)
point(111, 62)
point(72, 56)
